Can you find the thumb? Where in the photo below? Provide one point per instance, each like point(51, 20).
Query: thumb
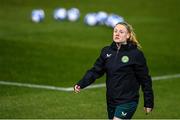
point(77, 88)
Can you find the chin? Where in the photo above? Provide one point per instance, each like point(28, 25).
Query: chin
point(117, 41)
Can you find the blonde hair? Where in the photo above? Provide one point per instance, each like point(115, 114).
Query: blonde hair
point(132, 37)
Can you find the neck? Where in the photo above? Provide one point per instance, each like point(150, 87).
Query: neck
point(118, 44)
point(124, 43)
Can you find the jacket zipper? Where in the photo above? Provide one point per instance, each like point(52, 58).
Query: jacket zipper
point(114, 60)
point(117, 52)
point(113, 64)
point(116, 56)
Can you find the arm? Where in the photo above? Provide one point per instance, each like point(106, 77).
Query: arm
point(92, 74)
point(142, 75)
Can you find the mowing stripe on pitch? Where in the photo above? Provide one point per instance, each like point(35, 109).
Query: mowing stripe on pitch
point(70, 88)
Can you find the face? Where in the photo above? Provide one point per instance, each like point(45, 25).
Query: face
point(120, 34)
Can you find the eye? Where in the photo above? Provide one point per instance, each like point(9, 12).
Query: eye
point(115, 31)
point(121, 31)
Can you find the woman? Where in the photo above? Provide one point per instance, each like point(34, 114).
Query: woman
point(126, 70)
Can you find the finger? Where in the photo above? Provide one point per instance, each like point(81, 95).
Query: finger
point(76, 91)
point(76, 88)
point(149, 110)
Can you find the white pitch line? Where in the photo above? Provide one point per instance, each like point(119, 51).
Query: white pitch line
point(67, 89)
point(166, 77)
point(34, 86)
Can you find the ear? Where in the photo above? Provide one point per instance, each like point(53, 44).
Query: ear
point(128, 35)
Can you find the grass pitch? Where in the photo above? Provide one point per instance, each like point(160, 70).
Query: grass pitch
point(59, 53)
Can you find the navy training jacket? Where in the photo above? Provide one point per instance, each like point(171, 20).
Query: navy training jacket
point(126, 70)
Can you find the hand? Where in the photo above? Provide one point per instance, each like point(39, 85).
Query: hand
point(147, 110)
point(77, 88)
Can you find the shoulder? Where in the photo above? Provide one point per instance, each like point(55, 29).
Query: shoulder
point(139, 55)
point(136, 51)
point(105, 49)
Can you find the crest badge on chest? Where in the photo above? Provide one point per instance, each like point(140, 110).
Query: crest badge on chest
point(125, 59)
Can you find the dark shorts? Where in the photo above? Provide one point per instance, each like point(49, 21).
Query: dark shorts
point(122, 111)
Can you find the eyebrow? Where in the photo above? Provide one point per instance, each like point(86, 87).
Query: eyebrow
point(120, 30)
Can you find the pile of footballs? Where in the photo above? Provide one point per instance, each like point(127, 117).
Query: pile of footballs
point(73, 14)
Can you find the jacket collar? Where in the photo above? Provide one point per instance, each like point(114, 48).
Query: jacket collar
point(127, 46)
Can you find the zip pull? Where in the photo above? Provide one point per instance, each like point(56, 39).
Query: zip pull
point(118, 48)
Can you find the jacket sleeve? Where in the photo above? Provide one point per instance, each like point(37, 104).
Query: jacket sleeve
point(142, 75)
point(95, 72)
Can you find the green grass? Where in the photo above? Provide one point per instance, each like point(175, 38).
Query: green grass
point(59, 53)
point(36, 103)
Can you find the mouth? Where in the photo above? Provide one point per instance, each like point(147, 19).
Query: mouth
point(116, 37)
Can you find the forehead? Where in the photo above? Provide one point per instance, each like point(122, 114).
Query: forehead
point(119, 26)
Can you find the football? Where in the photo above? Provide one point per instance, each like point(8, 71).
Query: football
point(73, 14)
point(113, 19)
point(90, 19)
point(37, 15)
point(60, 14)
point(101, 17)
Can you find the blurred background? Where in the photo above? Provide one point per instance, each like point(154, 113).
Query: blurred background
point(58, 53)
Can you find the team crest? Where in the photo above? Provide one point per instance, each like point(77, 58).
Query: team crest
point(125, 59)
